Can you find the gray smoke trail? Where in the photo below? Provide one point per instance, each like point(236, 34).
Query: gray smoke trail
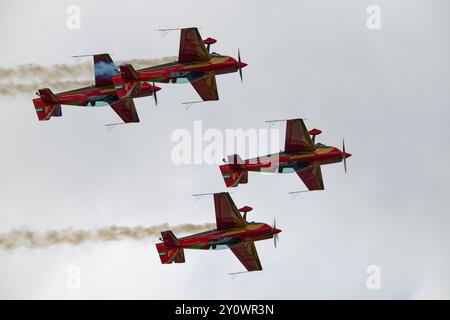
point(74, 237)
point(60, 71)
point(59, 77)
point(27, 89)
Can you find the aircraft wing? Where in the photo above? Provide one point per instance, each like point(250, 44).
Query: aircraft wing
point(312, 177)
point(206, 87)
point(297, 137)
point(227, 215)
point(247, 255)
point(191, 46)
point(126, 110)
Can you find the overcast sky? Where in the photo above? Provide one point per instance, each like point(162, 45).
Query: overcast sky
point(385, 91)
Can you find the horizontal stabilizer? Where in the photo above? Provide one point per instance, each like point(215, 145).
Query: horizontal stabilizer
point(233, 175)
point(170, 255)
point(47, 105)
point(169, 239)
point(171, 250)
point(47, 95)
point(57, 112)
point(235, 159)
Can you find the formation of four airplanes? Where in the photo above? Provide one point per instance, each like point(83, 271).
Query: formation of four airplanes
point(197, 65)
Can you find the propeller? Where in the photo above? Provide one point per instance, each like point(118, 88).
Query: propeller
point(239, 64)
point(344, 155)
point(275, 235)
point(154, 96)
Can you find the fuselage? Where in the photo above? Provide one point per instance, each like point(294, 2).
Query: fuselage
point(287, 162)
point(182, 72)
point(92, 96)
point(224, 239)
point(98, 96)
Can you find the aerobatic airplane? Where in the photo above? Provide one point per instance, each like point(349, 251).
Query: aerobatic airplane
point(301, 155)
point(195, 65)
point(102, 93)
point(233, 232)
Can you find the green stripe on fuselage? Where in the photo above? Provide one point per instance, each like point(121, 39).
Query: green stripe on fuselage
point(169, 64)
point(200, 234)
point(155, 80)
point(199, 246)
point(75, 103)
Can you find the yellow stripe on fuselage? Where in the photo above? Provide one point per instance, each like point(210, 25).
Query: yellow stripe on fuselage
point(252, 226)
point(318, 151)
point(199, 64)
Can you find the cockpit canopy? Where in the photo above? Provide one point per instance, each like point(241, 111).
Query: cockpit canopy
point(215, 54)
point(321, 145)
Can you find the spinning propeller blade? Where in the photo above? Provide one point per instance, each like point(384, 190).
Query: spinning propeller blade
point(155, 97)
point(239, 61)
point(275, 235)
point(344, 155)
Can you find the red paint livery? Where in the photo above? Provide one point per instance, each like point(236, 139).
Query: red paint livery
point(233, 232)
point(102, 93)
point(195, 65)
point(301, 155)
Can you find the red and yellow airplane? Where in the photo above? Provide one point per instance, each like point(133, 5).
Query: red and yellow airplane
point(233, 232)
point(102, 93)
point(301, 155)
point(195, 65)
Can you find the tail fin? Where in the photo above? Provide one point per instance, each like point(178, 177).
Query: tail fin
point(47, 105)
point(234, 175)
point(169, 255)
point(171, 250)
point(104, 69)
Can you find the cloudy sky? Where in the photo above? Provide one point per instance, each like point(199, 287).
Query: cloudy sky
point(385, 91)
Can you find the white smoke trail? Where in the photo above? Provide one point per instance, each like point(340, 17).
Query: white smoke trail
point(26, 79)
point(58, 71)
point(34, 240)
point(27, 89)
